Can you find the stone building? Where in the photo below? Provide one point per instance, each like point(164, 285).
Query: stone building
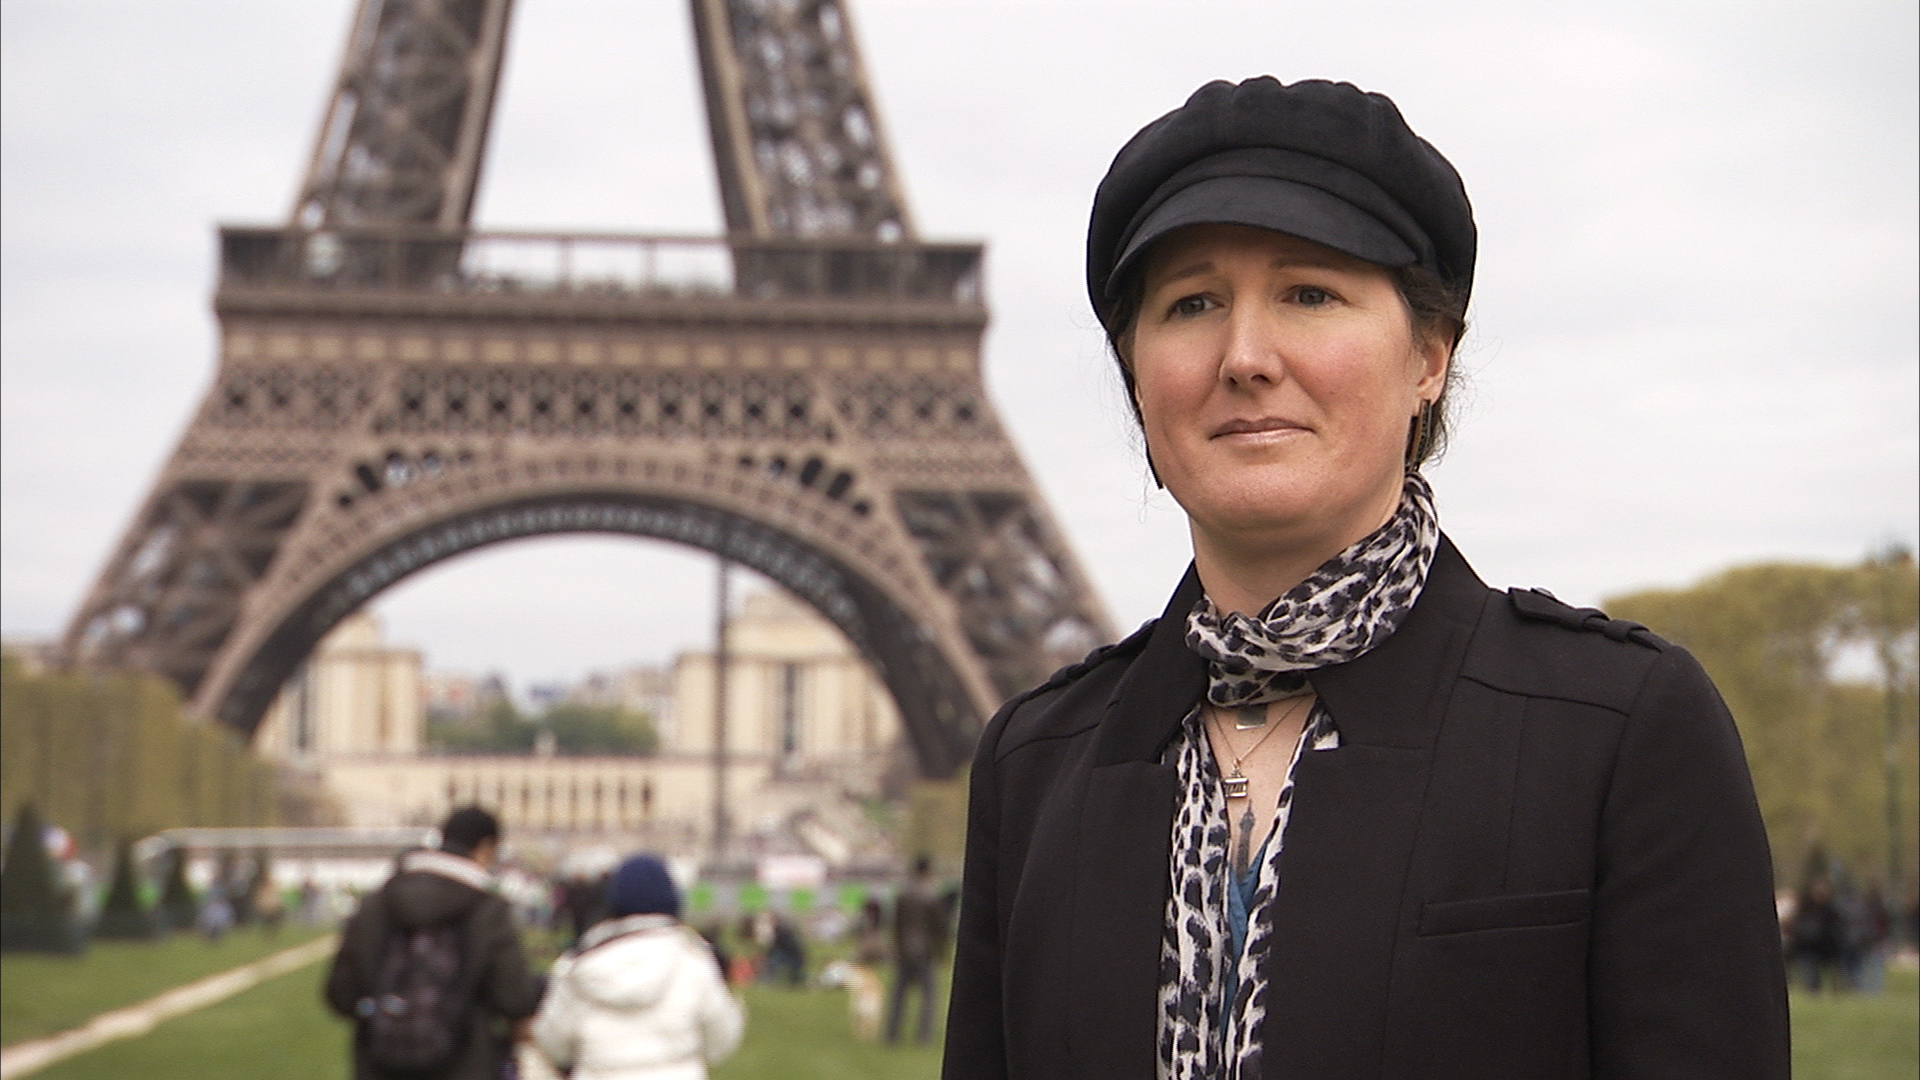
point(355, 697)
point(810, 734)
point(799, 699)
point(810, 730)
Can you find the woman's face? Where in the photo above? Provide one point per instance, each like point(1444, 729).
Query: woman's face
point(1276, 380)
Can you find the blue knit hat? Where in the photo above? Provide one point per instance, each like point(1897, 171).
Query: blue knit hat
point(642, 886)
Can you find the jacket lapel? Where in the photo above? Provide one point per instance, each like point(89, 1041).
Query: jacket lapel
point(1350, 840)
point(1126, 827)
point(1387, 698)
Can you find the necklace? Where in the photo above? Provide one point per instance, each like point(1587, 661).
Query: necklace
point(1248, 717)
point(1236, 782)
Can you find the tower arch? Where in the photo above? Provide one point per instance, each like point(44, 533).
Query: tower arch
point(939, 696)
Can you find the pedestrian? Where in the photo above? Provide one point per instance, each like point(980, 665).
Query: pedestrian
point(1817, 935)
point(228, 877)
point(584, 898)
point(1874, 929)
point(307, 908)
point(216, 913)
point(786, 956)
point(870, 934)
point(919, 930)
point(1343, 810)
point(641, 996)
point(430, 967)
point(865, 988)
point(269, 907)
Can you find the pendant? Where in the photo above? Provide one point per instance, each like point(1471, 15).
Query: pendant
point(1248, 717)
point(1236, 785)
point(1242, 851)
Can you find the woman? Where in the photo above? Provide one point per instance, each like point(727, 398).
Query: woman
point(640, 997)
point(1343, 811)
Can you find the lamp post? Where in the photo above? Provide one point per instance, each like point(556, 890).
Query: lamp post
point(721, 661)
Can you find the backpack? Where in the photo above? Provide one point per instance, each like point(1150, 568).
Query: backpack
point(419, 1013)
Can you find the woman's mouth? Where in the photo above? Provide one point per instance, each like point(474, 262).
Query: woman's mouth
point(1260, 426)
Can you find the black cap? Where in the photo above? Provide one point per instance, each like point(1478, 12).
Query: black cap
point(1323, 161)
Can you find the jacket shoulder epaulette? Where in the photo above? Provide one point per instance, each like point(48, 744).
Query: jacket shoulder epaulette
point(1022, 717)
point(1530, 643)
point(1540, 605)
point(1126, 646)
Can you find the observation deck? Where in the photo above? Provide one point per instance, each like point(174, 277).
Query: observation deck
point(549, 274)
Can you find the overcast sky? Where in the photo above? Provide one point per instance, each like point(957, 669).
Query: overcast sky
point(1694, 339)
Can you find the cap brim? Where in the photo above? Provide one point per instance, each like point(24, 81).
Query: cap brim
point(1268, 202)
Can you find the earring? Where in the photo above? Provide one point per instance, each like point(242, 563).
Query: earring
point(1420, 435)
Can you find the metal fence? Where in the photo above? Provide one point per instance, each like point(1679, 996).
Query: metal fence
point(587, 264)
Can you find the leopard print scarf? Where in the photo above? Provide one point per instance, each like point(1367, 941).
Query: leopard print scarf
point(1352, 603)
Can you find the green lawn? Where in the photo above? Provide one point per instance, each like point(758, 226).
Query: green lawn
point(1851, 1037)
point(280, 1029)
point(807, 1035)
point(45, 995)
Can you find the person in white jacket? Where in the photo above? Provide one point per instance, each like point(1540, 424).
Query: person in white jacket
point(640, 997)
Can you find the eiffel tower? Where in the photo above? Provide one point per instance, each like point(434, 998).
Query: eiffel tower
point(801, 395)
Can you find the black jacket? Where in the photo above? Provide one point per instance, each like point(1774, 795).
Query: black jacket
point(505, 989)
point(1535, 854)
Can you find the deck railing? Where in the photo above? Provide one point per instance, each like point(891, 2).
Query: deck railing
point(587, 264)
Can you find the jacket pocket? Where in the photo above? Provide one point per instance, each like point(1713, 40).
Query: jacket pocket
point(1504, 912)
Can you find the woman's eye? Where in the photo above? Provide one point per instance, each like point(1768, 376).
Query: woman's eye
point(1312, 296)
point(1189, 305)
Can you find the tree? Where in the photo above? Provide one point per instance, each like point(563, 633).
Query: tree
point(36, 909)
point(576, 730)
point(1887, 608)
point(1830, 741)
point(124, 915)
point(596, 729)
point(113, 754)
point(499, 730)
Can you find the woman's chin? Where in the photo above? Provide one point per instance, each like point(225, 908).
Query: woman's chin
point(1284, 516)
point(1254, 520)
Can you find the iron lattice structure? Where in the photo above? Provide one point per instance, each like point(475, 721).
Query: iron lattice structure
point(406, 129)
point(802, 395)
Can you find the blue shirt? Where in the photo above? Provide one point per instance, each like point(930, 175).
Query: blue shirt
point(1239, 903)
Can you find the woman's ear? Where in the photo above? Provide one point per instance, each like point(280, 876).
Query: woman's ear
point(1436, 357)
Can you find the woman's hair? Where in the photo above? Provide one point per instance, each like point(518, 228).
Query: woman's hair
point(1435, 310)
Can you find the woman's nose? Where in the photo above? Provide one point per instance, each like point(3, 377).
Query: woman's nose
point(1252, 353)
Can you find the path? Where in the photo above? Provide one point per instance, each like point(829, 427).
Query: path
point(30, 1057)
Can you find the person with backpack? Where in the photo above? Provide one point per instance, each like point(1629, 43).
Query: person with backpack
point(430, 968)
point(640, 997)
